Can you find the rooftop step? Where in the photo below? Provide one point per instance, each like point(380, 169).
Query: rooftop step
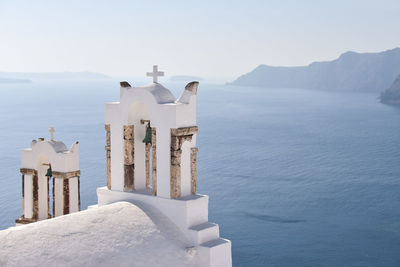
point(217, 252)
point(215, 243)
point(204, 232)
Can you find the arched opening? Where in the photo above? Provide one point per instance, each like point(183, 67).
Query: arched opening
point(185, 169)
point(42, 188)
point(137, 155)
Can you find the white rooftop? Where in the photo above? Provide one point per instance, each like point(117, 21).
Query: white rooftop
point(160, 93)
point(119, 234)
point(58, 146)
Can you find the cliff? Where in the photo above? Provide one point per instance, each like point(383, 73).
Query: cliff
point(392, 95)
point(367, 72)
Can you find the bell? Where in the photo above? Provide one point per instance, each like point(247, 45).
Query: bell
point(49, 172)
point(147, 138)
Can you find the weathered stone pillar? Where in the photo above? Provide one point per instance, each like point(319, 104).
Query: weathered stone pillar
point(154, 159)
point(35, 194)
point(193, 168)
point(27, 197)
point(175, 169)
point(178, 137)
point(147, 163)
point(79, 193)
point(66, 196)
point(108, 154)
point(54, 197)
point(48, 198)
point(129, 158)
point(23, 196)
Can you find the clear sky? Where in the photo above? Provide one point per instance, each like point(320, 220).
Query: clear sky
point(203, 38)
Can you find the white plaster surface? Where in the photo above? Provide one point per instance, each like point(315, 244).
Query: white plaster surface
point(185, 97)
point(190, 216)
point(28, 196)
point(217, 252)
point(205, 232)
point(185, 212)
point(120, 234)
point(160, 93)
point(61, 159)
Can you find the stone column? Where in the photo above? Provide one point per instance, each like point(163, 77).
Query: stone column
point(35, 194)
point(79, 193)
point(147, 163)
point(193, 168)
point(54, 197)
point(108, 154)
point(66, 196)
point(48, 198)
point(178, 137)
point(27, 196)
point(129, 158)
point(154, 159)
point(175, 178)
point(23, 195)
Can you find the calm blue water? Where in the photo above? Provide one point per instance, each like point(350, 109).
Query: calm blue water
point(295, 177)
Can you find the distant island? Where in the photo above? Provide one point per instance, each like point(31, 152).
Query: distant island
point(392, 94)
point(13, 80)
point(82, 75)
point(184, 78)
point(366, 72)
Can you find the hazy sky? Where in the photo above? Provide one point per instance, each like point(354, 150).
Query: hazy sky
point(202, 38)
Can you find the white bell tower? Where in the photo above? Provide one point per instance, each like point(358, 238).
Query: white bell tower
point(169, 127)
point(151, 158)
point(43, 161)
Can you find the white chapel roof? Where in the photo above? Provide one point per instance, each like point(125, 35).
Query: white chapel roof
point(160, 93)
point(117, 234)
point(58, 146)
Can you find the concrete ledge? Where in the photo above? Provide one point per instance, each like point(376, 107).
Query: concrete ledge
point(28, 171)
point(23, 220)
point(66, 175)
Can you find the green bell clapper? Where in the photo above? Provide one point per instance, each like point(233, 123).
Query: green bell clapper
point(147, 138)
point(49, 172)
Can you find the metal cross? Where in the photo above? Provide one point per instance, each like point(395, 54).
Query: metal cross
point(52, 131)
point(155, 73)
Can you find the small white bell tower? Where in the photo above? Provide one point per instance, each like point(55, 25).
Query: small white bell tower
point(43, 161)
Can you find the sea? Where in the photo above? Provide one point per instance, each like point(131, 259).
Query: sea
point(295, 177)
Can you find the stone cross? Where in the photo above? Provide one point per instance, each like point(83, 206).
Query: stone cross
point(155, 73)
point(52, 131)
